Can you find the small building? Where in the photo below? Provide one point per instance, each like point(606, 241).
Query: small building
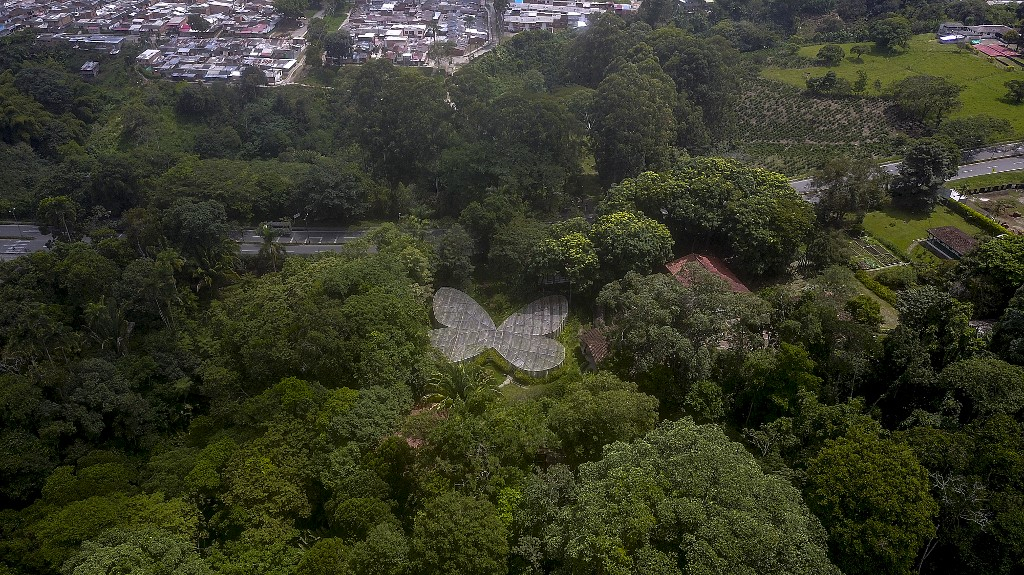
point(678, 269)
point(89, 70)
point(955, 242)
point(594, 345)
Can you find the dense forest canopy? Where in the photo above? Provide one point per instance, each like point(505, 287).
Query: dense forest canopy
point(170, 405)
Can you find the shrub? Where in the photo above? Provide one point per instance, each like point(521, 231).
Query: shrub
point(880, 290)
point(897, 278)
point(977, 218)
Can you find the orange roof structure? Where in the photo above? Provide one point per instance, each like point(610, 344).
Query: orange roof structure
point(710, 263)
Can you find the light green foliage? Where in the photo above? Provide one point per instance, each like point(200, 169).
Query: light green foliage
point(326, 557)
point(325, 320)
point(59, 533)
point(572, 255)
point(774, 381)
point(755, 213)
point(993, 272)
point(627, 242)
point(459, 535)
point(250, 190)
point(871, 493)
point(598, 411)
point(141, 550)
point(698, 499)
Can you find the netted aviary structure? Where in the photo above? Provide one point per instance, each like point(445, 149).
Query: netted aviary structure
point(521, 339)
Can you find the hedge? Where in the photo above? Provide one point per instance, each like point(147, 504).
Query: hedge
point(880, 290)
point(977, 218)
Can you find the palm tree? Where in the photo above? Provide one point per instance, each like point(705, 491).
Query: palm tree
point(270, 250)
point(454, 383)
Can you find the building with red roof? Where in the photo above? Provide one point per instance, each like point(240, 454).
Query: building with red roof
point(678, 269)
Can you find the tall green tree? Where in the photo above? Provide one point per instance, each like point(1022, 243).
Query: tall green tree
point(685, 499)
point(634, 127)
point(628, 241)
point(891, 34)
point(459, 535)
point(872, 495)
point(925, 167)
point(926, 99)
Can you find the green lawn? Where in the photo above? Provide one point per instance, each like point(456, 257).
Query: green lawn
point(982, 81)
point(902, 228)
point(988, 180)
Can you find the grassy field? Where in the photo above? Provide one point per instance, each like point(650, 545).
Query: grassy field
point(988, 180)
point(902, 229)
point(982, 81)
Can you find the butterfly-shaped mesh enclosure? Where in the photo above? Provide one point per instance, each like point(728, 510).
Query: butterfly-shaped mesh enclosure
point(520, 339)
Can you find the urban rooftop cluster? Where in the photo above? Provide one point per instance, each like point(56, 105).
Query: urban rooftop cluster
point(139, 18)
point(404, 31)
point(218, 59)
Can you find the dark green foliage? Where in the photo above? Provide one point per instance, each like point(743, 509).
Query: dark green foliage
point(459, 535)
point(831, 54)
point(1015, 91)
point(170, 405)
point(891, 34)
point(598, 411)
point(974, 131)
point(926, 99)
point(926, 166)
point(1008, 336)
point(871, 493)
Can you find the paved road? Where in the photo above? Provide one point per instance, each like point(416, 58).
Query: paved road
point(334, 236)
point(18, 240)
point(978, 169)
point(295, 250)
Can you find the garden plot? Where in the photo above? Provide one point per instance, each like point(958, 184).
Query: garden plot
point(870, 255)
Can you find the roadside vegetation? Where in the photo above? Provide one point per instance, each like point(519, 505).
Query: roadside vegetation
point(171, 405)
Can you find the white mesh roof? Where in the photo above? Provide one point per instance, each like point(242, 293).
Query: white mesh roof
point(520, 339)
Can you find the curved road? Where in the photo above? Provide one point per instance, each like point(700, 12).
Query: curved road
point(995, 166)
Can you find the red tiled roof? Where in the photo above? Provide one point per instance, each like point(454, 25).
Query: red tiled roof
point(595, 344)
point(954, 238)
point(710, 263)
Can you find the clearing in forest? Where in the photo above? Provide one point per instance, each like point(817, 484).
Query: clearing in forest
point(983, 81)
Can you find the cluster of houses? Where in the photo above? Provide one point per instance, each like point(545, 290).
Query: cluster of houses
point(556, 14)
point(219, 59)
point(403, 31)
point(958, 33)
point(140, 18)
